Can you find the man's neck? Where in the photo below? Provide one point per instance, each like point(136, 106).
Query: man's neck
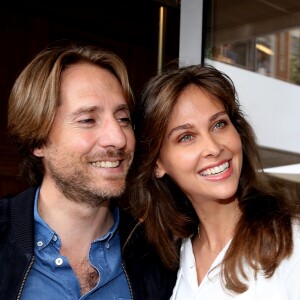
point(78, 225)
point(73, 221)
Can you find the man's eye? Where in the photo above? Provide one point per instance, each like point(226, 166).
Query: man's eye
point(124, 122)
point(87, 121)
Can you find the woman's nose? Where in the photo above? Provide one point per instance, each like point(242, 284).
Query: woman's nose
point(211, 146)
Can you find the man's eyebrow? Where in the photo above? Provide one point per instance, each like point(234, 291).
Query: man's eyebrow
point(85, 110)
point(122, 107)
point(96, 108)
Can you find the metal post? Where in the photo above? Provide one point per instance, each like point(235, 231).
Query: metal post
point(161, 37)
point(191, 26)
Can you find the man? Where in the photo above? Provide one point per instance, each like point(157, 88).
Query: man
point(70, 117)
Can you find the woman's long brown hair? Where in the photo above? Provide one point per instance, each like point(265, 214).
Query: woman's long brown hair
point(263, 236)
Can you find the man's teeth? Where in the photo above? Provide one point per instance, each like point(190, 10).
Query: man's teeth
point(106, 164)
point(215, 170)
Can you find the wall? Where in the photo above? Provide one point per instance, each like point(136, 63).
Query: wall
point(128, 28)
point(272, 106)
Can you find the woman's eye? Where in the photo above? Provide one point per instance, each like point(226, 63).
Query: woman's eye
point(185, 138)
point(220, 124)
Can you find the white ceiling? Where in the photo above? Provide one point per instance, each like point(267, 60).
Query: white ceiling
point(237, 19)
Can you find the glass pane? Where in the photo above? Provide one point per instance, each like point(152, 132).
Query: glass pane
point(260, 36)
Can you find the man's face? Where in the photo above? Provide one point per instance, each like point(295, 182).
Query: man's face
point(91, 142)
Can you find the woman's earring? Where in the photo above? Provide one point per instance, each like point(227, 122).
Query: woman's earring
point(157, 174)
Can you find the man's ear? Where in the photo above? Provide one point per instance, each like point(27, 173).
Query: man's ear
point(159, 169)
point(39, 152)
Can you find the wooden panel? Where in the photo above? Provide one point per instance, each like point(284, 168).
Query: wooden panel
point(129, 28)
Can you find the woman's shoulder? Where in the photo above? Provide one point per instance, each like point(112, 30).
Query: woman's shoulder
point(186, 244)
point(288, 271)
point(186, 251)
point(294, 258)
point(296, 233)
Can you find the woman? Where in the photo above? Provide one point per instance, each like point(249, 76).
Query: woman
point(198, 185)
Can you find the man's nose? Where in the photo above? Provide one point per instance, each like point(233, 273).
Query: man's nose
point(112, 134)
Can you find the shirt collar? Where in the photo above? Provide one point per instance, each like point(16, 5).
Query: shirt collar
point(44, 234)
point(113, 229)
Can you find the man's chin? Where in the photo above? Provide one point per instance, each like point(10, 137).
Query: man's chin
point(112, 190)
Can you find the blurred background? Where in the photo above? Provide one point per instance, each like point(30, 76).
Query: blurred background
point(256, 42)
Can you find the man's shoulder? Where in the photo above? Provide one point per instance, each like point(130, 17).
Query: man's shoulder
point(16, 218)
point(126, 217)
point(127, 225)
point(17, 199)
point(149, 277)
point(14, 206)
point(129, 228)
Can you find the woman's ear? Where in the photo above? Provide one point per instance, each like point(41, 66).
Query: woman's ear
point(159, 169)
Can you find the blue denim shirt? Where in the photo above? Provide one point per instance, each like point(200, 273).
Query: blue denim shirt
point(52, 278)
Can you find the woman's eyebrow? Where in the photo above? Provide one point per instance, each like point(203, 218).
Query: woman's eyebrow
point(189, 126)
point(217, 115)
point(180, 127)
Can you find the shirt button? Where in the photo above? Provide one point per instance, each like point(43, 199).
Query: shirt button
point(40, 243)
point(54, 238)
point(59, 261)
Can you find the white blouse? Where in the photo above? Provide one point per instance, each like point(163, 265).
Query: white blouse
point(283, 285)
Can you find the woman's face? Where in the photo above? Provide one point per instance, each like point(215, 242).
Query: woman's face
point(201, 151)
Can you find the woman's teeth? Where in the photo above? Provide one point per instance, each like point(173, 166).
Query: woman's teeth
point(215, 170)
